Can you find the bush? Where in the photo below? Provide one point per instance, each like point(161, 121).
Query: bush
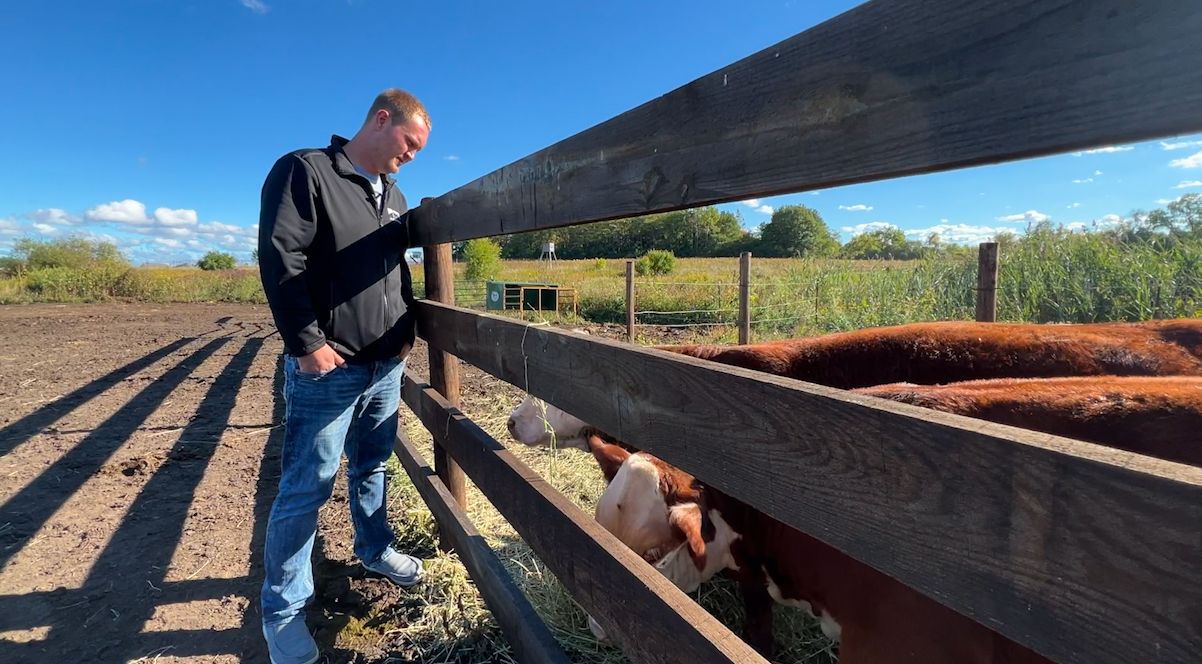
point(73, 252)
point(11, 267)
point(216, 260)
point(655, 262)
point(75, 284)
point(483, 258)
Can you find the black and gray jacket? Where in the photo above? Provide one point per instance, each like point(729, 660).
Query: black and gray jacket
point(332, 263)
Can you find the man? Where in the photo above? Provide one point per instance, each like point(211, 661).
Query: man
point(332, 235)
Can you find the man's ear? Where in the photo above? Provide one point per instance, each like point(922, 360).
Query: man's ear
point(609, 456)
point(685, 520)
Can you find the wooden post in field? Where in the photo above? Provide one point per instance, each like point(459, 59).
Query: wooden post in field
point(745, 297)
point(630, 301)
point(987, 282)
point(444, 367)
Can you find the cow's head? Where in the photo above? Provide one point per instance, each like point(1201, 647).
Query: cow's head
point(536, 422)
point(659, 511)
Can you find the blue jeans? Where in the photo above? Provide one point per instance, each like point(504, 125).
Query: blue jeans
point(352, 407)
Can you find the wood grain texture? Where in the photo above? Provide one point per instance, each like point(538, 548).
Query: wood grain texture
point(987, 269)
point(887, 89)
point(531, 640)
point(648, 617)
point(1084, 553)
point(444, 367)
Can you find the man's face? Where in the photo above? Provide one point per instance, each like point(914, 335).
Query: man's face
point(400, 143)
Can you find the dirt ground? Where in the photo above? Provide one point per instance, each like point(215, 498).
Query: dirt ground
point(139, 449)
point(139, 453)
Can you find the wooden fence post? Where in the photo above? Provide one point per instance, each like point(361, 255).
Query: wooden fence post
point(745, 298)
point(444, 367)
point(630, 301)
point(987, 265)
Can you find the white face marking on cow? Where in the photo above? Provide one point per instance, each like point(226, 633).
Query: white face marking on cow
point(830, 627)
point(633, 509)
point(679, 567)
point(537, 423)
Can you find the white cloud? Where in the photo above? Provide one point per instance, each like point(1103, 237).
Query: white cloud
point(169, 217)
point(1163, 201)
point(1188, 184)
point(956, 233)
point(1108, 221)
point(46, 229)
point(1083, 181)
point(859, 207)
point(1110, 149)
point(54, 216)
point(9, 226)
point(1030, 216)
point(1185, 145)
point(1097, 172)
point(168, 242)
point(451, 157)
point(256, 6)
point(867, 228)
point(172, 231)
point(1192, 161)
point(754, 203)
point(1074, 205)
point(127, 211)
point(814, 193)
point(216, 227)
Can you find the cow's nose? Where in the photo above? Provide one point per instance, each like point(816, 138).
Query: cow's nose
point(511, 424)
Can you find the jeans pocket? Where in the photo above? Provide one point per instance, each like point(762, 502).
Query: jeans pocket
point(316, 376)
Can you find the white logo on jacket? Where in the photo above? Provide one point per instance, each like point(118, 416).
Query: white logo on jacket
point(393, 215)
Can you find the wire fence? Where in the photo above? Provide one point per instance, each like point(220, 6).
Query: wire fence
point(824, 296)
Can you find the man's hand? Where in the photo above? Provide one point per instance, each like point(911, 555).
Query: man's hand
point(320, 361)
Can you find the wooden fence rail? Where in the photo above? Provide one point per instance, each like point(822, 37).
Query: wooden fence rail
point(635, 604)
point(890, 88)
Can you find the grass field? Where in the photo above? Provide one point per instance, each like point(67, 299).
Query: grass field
point(1076, 278)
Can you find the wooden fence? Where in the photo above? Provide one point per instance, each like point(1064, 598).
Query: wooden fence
point(1083, 553)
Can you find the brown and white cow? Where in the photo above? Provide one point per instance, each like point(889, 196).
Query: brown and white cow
point(928, 353)
point(947, 352)
point(691, 531)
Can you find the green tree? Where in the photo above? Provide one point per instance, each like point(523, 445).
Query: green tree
point(883, 243)
point(796, 230)
point(483, 258)
point(655, 262)
point(73, 252)
point(216, 260)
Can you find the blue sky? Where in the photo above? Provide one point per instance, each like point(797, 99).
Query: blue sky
point(153, 122)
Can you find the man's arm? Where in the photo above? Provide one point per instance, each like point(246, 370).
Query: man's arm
point(287, 226)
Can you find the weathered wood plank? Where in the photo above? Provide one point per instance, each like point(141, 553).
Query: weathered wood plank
point(1084, 553)
point(529, 636)
point(444, 367)
point(889, 88)
point(648, 617)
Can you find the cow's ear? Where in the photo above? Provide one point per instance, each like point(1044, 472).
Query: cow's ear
point(608, 455)
point(685, 520)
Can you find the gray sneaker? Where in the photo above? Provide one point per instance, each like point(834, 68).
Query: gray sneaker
point(290, 643)
point(401, 569)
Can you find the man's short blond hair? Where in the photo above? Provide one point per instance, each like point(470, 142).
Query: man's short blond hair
point(400, 105)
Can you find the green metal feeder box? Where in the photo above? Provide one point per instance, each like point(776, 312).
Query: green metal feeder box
point(521, 295)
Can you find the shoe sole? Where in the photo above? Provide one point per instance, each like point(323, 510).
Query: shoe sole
point(420, 577)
